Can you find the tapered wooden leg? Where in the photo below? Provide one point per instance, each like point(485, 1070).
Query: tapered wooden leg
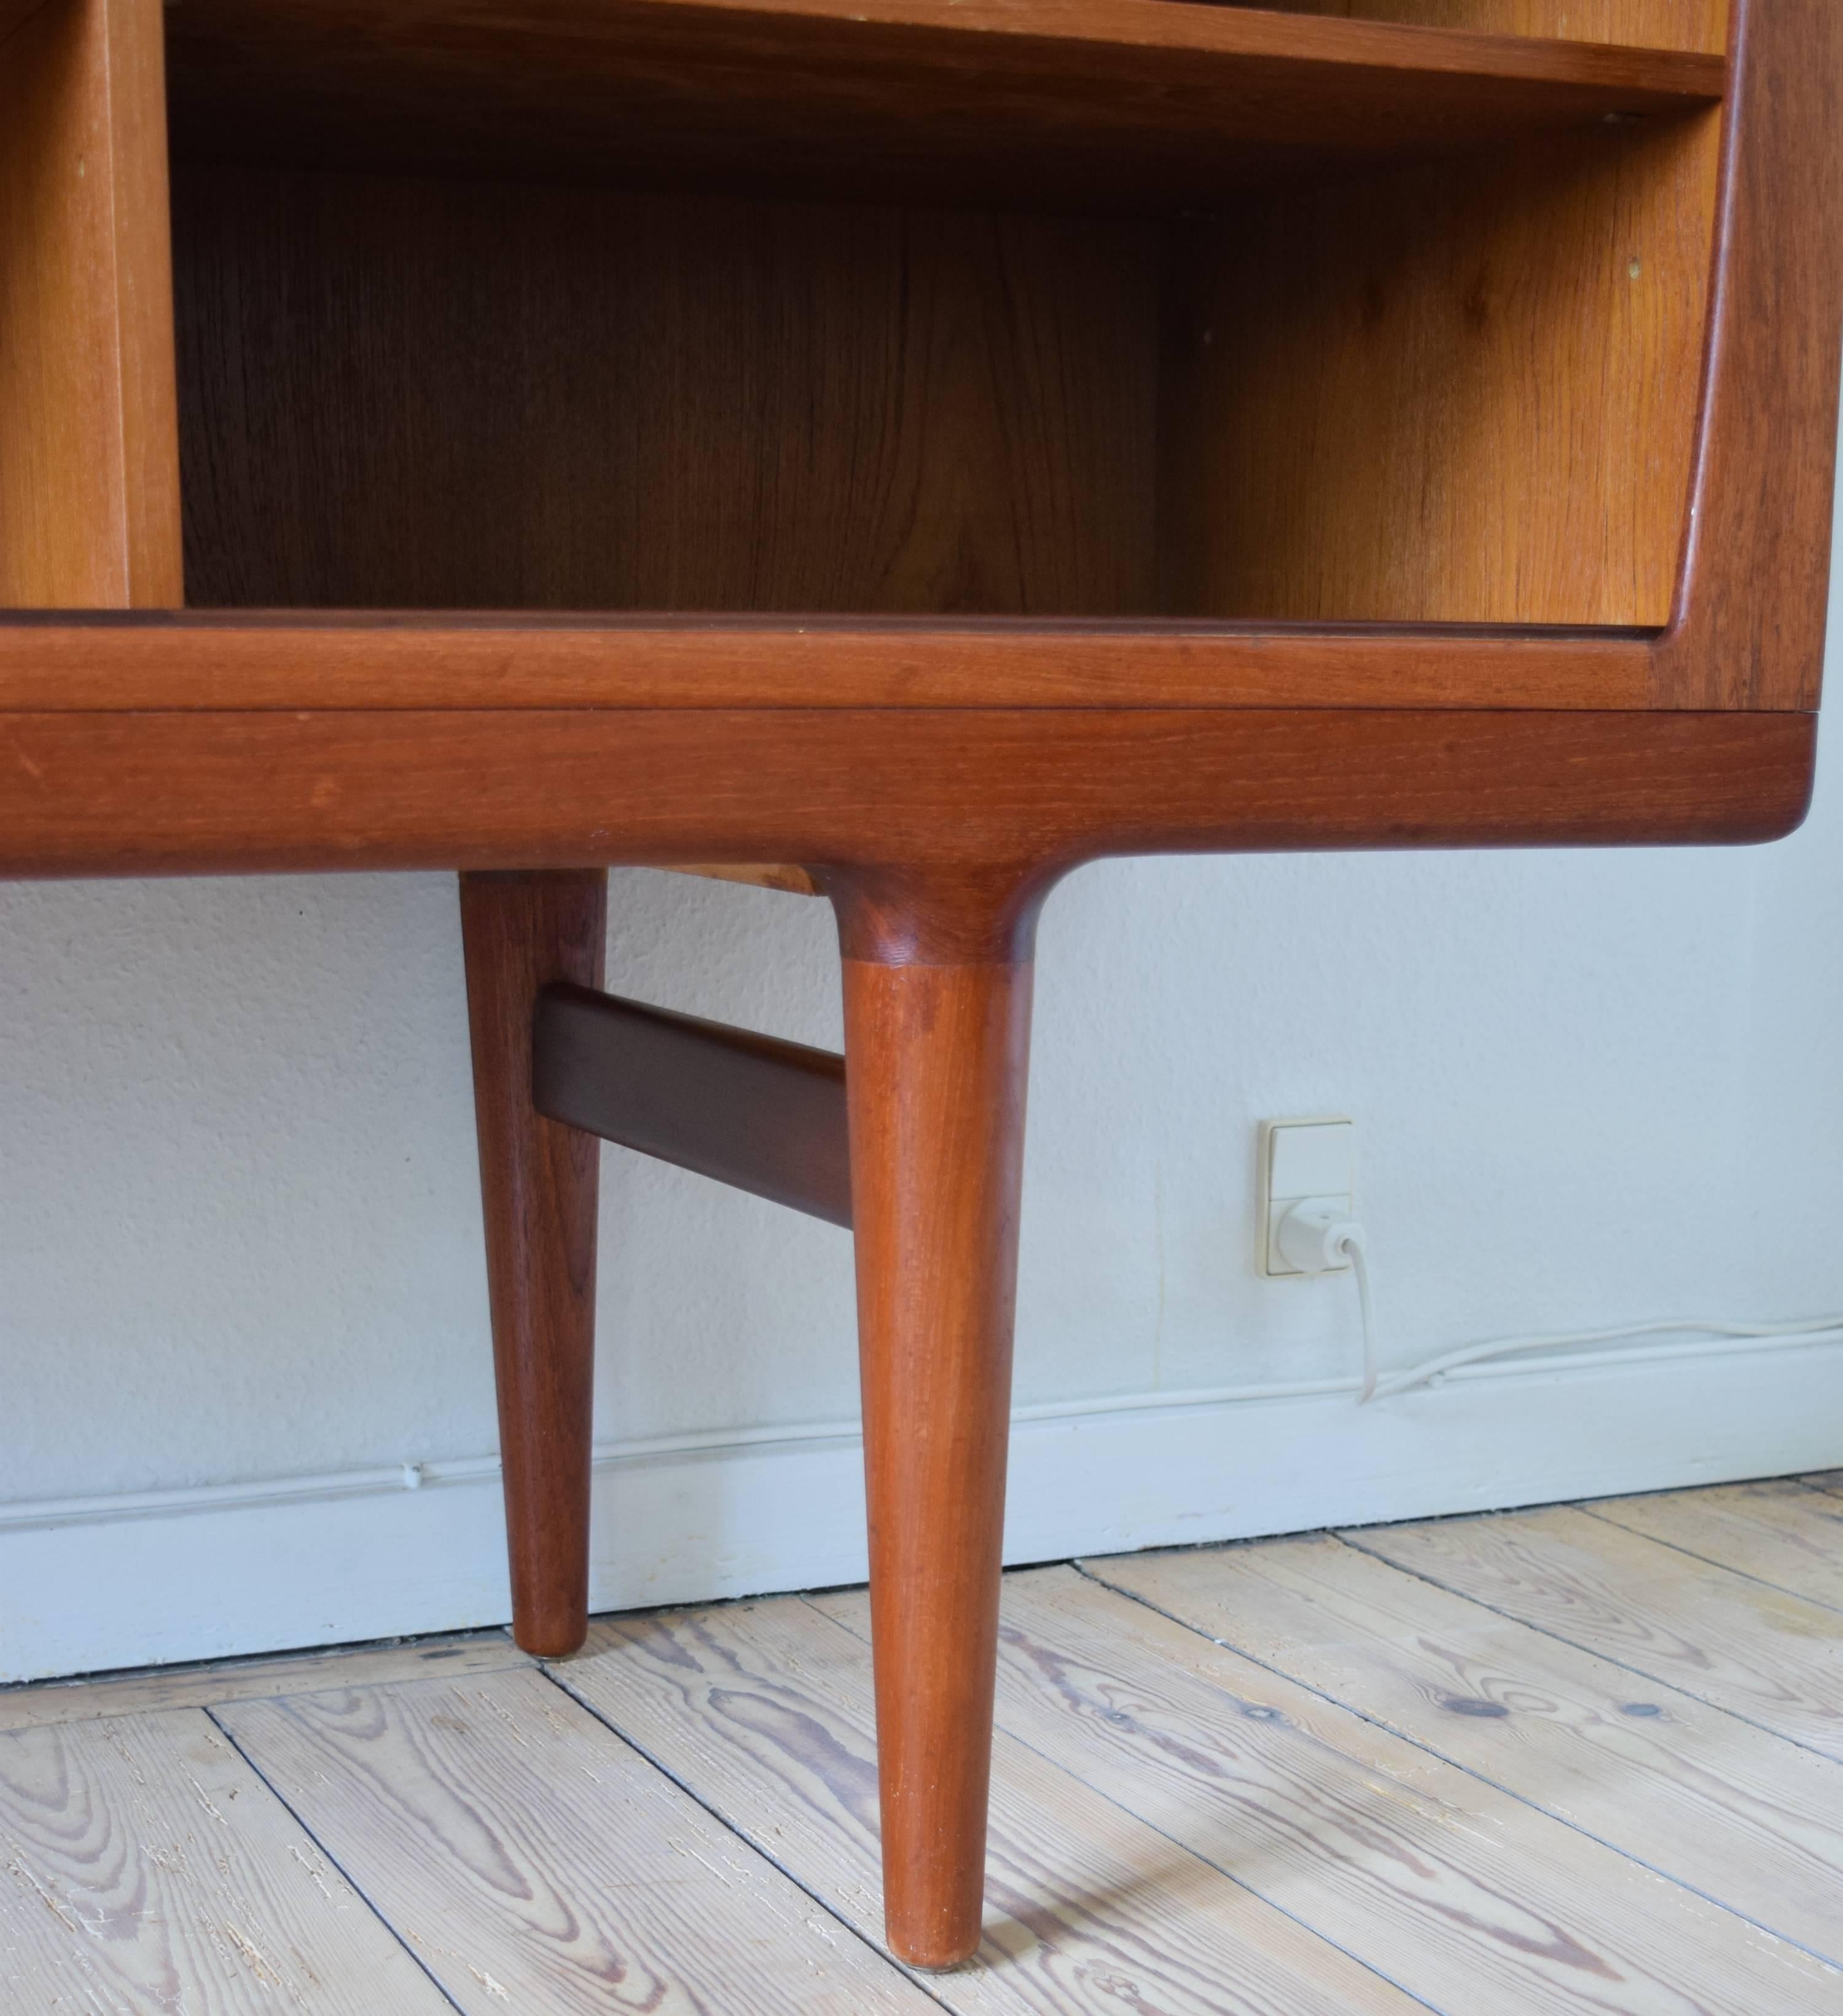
point(935, 1066)
point(537, 1188)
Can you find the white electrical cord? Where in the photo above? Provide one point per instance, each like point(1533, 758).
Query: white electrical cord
point(1317, 1237)
point(1814, 1328)
point(1359, 1266)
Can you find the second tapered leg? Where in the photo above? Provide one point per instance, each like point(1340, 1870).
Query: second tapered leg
point(936, 1060)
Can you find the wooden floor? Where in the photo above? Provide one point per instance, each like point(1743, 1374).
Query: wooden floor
point(1588, 1758)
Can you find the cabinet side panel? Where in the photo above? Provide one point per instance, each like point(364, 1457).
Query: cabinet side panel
point(143, 248)
point(1755, 592)
point(88, 440)
point(1644, 24)
point(62, 541)
point(1464, 393)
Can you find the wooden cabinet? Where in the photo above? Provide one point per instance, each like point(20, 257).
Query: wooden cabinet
point(933, 442)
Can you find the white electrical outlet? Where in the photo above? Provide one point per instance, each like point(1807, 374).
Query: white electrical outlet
point(1300, 1159)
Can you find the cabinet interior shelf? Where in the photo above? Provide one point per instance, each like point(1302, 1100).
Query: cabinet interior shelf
point(1118, 102)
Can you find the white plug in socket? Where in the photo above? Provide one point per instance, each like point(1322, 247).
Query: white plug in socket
point(1314, 1236)
point(1305, 1163)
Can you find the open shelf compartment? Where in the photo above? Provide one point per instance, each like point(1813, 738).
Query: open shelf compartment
point(1132, 309)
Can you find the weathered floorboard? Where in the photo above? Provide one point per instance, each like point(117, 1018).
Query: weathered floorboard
point(1773, 1658)
point(1462, 1894)
point(536, 1863)
point(1781, 1532)
point(767, 1709)
point(1725, 1809)
point(146, 1870)
point(1284, 1779)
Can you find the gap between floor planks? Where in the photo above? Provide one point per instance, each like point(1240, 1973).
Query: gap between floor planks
point(205, 1685)
point(1289, 1826)
point(1785, 1533)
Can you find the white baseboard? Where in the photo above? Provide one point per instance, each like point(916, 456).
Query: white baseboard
point(86, 1586)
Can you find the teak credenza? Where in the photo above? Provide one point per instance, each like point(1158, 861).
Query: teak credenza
point(933, 442)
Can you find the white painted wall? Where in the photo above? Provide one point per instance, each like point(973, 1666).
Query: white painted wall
point(239, 1232)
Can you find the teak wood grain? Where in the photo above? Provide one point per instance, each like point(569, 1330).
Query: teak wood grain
point(145, 1868)
point(785, 406)
point(1762, 517)
point(538, 1181)
point(89, 503)
point(1748, 627)
point(1494, 427)
point(1493, 417)
point(1767, 1656)
point(93, 794)
point(931, 554)
point(1667, 24)
point(936, 1046)
point(1401, 1859)
point(535, 1862)
point(269, 661)
point(784, 875)
point(767, 1709)
point(1720, 1807)
point(1108, 102)
point(755, 1112)
point(15, 13)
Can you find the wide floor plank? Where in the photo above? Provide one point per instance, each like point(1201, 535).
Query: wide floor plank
point(766, 1708)
point(1773, 1658)
point(537, 1863)
point(145, 1868)
point(1780, 1532)
point(1708, 1800)
point(1465, 1896)
point(240, 1679)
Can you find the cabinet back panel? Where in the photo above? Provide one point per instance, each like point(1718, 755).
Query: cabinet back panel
point(1462, 395)
point(432, 394)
